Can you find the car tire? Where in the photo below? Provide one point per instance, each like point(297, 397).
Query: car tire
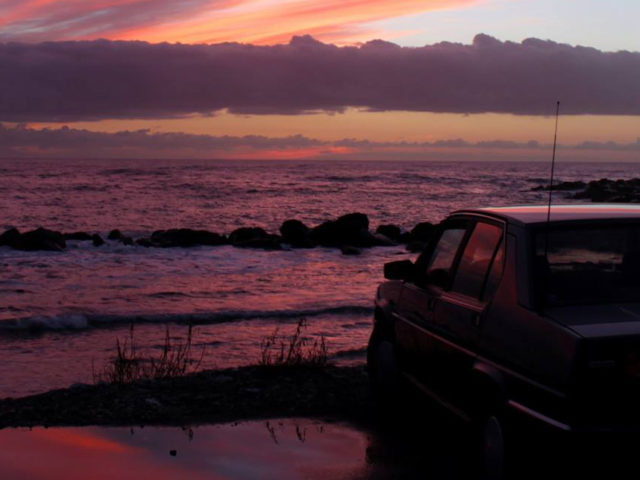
point(382, 367)
point(493, 458)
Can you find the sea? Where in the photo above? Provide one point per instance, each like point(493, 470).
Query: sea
point(61, 313)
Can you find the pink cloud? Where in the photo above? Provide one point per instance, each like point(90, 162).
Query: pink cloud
point(199, 21)
point(42, 20)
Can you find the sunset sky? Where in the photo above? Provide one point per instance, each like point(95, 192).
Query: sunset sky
point(374, 79)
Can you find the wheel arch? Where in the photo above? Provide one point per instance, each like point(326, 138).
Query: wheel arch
point(384, 325)
point(488, 389)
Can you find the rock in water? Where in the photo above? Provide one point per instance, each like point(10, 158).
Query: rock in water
point(422, 232)
point(351, 229)
point(561, 186)
point(9, 237)
point(185, 237)
point(144, 242)
point(615, 191)
point(115, 234)
point(97, 240)
point(380, 240)
point(40, 239)
point(296, 234)
point(244, 234)
point(416, 246)
point(254, 237)
point(392, 232)
point(83, 236)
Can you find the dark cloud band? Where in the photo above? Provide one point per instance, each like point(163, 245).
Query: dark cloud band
point(102, 79)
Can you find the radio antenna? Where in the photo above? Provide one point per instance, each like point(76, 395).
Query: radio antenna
point(553, 165)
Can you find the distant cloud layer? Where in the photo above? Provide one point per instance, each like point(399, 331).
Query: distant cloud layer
point(103, 79)
point(21, 141)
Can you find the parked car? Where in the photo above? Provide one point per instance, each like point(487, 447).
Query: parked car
point(519, 311)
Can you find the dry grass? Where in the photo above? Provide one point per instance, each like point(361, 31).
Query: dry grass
point(174, 360)
point(277, 350)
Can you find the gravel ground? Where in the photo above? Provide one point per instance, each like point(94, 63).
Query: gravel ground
point(205, 397)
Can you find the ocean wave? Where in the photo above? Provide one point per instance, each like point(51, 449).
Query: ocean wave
point(71, 322)
point(343, 178)
point(44, 322)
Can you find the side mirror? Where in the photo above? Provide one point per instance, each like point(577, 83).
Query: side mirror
point(400, 270)
point(439, 277)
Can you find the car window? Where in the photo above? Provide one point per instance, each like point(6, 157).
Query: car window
point(588, 264)
point(476, 259)
point(444, 254)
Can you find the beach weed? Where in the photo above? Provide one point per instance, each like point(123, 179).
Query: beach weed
point(175, 360)
point(296, 350)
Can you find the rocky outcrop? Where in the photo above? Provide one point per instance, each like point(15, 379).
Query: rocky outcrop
point(350, 233)
point(9, 237)
point(561, 186)
point(603, 190)
point(144, 242)
point(39, 239)
point(296, 234)
point(97, 240)
point(422, 232)
point(392, 232)
point(614, 191)
point(118, 235)
point(82, 236)
point(419, 236)
point(115, 234)
point(254, 237)
point(351, 229)
point(182, 237)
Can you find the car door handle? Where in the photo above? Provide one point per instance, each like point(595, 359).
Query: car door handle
point(431, 304)
point(476, 319)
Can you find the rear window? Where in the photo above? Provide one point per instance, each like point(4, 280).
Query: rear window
point(588, 264)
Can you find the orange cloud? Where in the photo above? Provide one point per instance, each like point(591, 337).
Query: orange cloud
point(207, 21)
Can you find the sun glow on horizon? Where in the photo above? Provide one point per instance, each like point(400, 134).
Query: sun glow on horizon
point(389, 126)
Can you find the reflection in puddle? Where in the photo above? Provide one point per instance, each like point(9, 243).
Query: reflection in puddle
point(279, 449)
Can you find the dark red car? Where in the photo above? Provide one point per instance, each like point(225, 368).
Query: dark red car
point(509, 313)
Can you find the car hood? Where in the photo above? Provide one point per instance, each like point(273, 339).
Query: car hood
point(609, 320)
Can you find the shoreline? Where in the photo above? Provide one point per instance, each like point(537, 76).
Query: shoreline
point(209, 396)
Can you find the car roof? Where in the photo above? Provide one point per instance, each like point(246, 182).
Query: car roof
point(537, 214)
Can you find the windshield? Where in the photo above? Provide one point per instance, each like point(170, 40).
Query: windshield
point(588, 264)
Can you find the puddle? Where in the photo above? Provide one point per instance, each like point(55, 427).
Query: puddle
point(274, 449)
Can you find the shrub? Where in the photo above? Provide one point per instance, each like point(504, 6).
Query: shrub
point(278, 350)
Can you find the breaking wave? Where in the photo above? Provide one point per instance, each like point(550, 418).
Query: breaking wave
point(71, 322)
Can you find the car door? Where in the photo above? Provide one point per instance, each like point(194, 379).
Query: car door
point(418, 340)
point(460, 310)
